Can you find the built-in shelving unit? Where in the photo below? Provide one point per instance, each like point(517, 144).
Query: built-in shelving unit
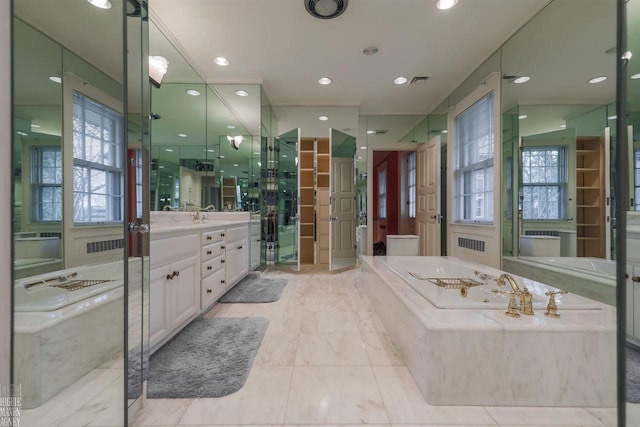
point(307, 200)
point(229, 195)
point(323, 208)
point(590, 195)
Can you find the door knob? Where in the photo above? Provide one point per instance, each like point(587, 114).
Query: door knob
point(138, 228)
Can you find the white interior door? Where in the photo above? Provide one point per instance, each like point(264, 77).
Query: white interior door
point(343, 210)
point(428, 214)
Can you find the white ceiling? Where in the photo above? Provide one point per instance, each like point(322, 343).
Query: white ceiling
point(277, 43)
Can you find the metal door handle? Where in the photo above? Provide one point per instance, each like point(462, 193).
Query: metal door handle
point(138, 228)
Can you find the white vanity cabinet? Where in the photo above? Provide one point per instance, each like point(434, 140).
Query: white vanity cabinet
point(237, 254)
point(174, 285)
point(213, 266)
point(254, 244)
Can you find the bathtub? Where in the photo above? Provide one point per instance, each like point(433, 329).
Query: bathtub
point(61, 335)
point(448, 340)
point(594, 278)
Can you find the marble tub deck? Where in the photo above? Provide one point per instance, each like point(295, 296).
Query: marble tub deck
point(482, 357)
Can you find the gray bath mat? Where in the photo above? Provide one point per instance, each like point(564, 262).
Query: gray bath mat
point(254, 290)
point(208, 358)
point(632, 382)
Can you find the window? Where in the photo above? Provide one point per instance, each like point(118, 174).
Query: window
point(544, 179)
point(97, 162)
point(46, 184)
point(411, 184)
point(382, 193)
point(473, 174)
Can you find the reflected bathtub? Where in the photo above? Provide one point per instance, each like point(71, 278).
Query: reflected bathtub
point(593, 278)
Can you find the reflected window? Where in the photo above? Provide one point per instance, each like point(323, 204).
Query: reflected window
point(544, 178)
point(97, 162)
point(382, 193)
point(473, 173)
point(46, 184)
point(411, 184)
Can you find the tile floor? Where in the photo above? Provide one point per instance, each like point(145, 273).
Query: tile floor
point(327, 360)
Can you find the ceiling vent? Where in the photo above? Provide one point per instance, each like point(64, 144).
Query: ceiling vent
point(326, 9)
point(421, 80)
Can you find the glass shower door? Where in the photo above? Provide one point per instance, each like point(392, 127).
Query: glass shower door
point(286, 208)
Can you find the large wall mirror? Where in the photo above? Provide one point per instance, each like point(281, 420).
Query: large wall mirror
point(559, 135)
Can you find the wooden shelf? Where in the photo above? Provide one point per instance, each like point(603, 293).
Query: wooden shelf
point(590, 197)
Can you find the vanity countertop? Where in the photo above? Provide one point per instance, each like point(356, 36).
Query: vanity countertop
point(167, 224)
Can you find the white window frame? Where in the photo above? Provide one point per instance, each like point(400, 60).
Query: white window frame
point(411, 184)
point(559, 185)
point(474, 160)
point(108, 162)
point(38, 186)
point(382, 193)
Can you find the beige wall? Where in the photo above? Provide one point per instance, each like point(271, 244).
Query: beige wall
point(5, 188)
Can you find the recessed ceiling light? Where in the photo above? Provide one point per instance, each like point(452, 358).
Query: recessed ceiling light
point(161, 167)
point(363, 148)
point(182, 135)
point(102, 4)
point(256, 152)
point(211, 151)
point(219, 60)
point(231, 127)
point(235, 164)
point(522, 116)
point(35, 126)
point(371, 132)
point(444, 131)
point(627, 55)
point(22, 133)
point(400, 80)
point(323, 118)
point(598, 79)
point(221, 157)
point(612, 117)
point(370, 51)
point(563, 126)
point(221, 171)
point(284, 155)
point(636, 76)
point(522, 79)
point(193, 92)
point(242, 93)
point(55, 79)
point(169, 150)
point(446, 4)
point(325, 81)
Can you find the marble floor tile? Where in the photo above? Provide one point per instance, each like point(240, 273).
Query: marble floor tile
point(326, 321)
point(361, 302)
point(406, 405)
point(331, 349)
point(106, 409)
point(607, 416)
point(542, 416)
point(263, 399)
point(381, 350)
point(285, 322)
point(369, 321)
point(161, 412)
point(277, 349)
point(334, 395)
point(328, 303)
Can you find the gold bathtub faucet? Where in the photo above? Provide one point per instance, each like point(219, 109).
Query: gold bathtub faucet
point(526, 299)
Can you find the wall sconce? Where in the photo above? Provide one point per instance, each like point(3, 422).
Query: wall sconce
point(235, 141)
point(158, 66)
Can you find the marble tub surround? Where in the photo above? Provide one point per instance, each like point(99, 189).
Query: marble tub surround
point(161, 220)
point(501, 361)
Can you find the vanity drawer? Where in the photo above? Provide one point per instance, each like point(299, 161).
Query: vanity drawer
point(212, 251)
point(213, 236)
point(213, 265)
point(237, 233)
point(212, 288)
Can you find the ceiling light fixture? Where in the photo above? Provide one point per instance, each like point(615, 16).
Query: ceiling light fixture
point(522, 116)
point(193, 92)
point(158, 66)
point(371, 132)
point(219, 60)
point(231, 127)
point(400, 80)
point(522, 79)
point(55, 79)
point(101, 4)
point(563, 126)
point(363, 148)
point(168, 150)
point(242, 93)
point(326, 9)
point(612, 117)
point(444, 131)
point(598, 79)
point(446, 4)
point(235, 141)
point(323, 118)
point(22, 133)
point(636, 76)
point(182, 135)
point(627, 55)
point(235, 164)
point(35, 126)
point(325, 81)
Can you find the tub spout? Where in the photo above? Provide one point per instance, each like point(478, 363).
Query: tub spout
point(507, 278)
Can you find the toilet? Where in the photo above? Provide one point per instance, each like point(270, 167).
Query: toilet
point(541, 246)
